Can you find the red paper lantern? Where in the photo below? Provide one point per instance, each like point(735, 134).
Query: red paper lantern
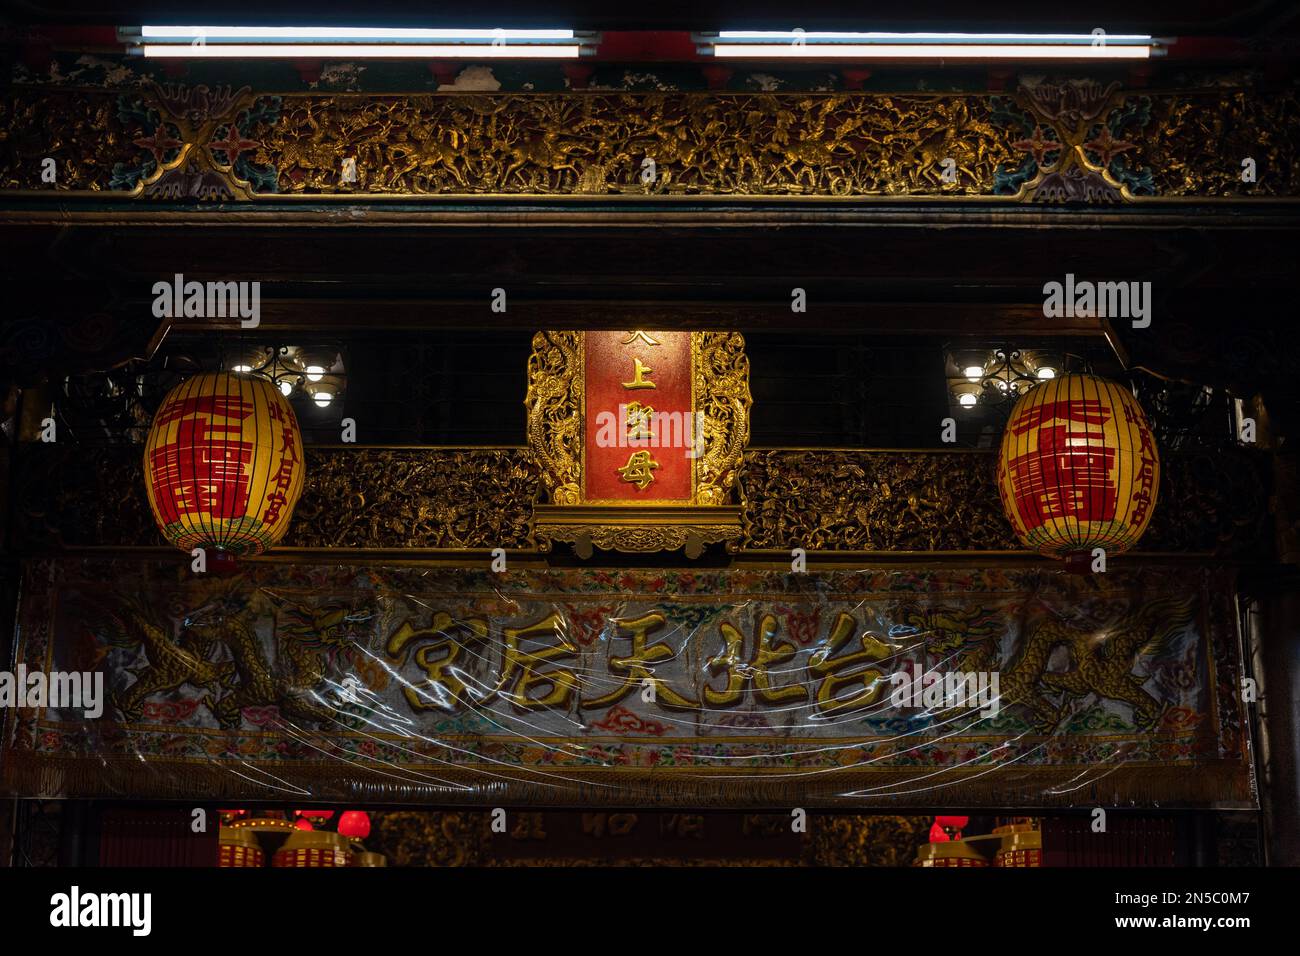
point(1078, 468)
point(355, 824)
point(223, 464)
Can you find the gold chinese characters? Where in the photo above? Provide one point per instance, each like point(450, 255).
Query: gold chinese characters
point(639, 470)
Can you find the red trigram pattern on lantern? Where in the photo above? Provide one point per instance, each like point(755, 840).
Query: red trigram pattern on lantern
point(1078, 468)
point(224, 464)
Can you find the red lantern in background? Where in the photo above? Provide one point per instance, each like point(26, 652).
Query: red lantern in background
point(953, 825)
point(355, 824)
point(1078, 469)
point(223, 464)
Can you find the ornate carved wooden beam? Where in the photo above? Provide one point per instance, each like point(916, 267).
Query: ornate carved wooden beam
point(1076, 140)
point(428, 502)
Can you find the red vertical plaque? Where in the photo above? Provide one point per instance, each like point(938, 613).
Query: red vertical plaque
point(638, 435)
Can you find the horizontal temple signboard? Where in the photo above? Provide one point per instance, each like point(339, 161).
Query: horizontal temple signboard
point(882, 688)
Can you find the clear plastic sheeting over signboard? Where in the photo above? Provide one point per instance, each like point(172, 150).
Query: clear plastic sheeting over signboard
point(872, 688)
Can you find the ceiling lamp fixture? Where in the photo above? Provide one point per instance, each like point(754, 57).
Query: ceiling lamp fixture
point(355, 42)
point(315, 371)
point(995, 376)
point(807, 45)
point(322, 393)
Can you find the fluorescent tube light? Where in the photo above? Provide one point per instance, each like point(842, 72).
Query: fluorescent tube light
point(353, 42)
point(346, 33)
point(797, 44)
point(878, 37)
point(900, 51)
point(361, 50)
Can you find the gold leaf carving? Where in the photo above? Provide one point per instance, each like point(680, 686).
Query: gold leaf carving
point(722, 397)
point(554, 403)
point(848, 144)
point(819, 499)
point(444, 498)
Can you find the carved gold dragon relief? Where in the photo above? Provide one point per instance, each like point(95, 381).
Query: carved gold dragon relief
point(734, 144)
point(1072, 139)
point(216, 650)
point(723, 398)
point(554, 403)
point(1098, 658)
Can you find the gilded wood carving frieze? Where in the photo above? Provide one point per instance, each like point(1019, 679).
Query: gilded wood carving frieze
point(822, 500)
point(464, 838)
point(1048, 141)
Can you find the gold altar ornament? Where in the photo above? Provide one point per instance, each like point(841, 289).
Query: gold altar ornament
point(956, 853)
point(238, 847)
point(313, 848)
point(1022, 845)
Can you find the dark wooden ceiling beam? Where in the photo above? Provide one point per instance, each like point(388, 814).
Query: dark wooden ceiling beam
point(885, 318)
point(851, 253)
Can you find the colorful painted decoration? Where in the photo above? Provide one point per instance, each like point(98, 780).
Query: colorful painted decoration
point(223, 464)
point(786, 651)
point(1078, 468)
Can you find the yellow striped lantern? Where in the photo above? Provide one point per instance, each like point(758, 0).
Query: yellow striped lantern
point(1078, 469)
point(223, 464)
